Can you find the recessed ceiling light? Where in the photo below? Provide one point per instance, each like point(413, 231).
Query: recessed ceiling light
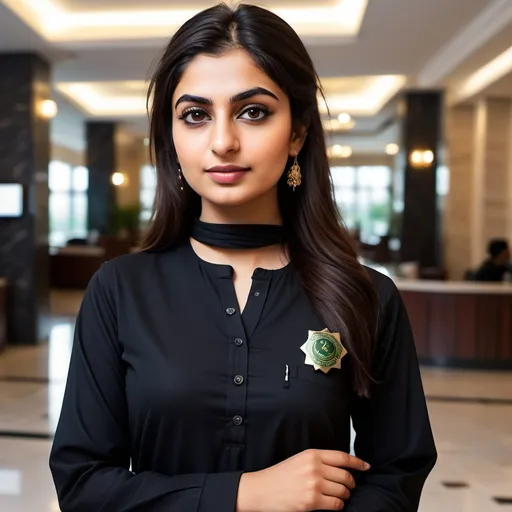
point(341, 151)
point(333, 125)
point(344, 118)
point(392, 149)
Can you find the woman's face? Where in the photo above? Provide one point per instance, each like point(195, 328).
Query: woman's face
point(231, 128)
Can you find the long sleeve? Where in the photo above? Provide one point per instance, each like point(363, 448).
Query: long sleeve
point(90, 457)
point(392, 427)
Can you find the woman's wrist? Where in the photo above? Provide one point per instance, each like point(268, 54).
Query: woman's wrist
point(248, 498)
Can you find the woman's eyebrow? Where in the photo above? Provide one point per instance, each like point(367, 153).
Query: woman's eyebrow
point(241, 96)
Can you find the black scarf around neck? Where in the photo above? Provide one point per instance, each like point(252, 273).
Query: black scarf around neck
point(237, 236)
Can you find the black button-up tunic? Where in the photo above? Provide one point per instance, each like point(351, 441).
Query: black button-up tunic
point(173, 393)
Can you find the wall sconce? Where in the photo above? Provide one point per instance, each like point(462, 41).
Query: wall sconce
point(118, 179)
point(421, 159)
point(48, 109)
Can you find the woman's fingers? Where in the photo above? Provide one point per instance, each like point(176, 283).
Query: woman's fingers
point(339, 476)
point(335, 490)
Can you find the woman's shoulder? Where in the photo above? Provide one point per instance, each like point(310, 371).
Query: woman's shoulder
point(140, 265)
point(384, 286)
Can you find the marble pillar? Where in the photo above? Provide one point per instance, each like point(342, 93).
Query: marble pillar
point(421, 129)
point(24, 159)
point(101, 162)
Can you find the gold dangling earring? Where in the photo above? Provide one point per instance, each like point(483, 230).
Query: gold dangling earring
point(294, 175)
point(180, 178)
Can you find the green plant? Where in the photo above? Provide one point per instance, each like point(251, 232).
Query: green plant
point(126, 218)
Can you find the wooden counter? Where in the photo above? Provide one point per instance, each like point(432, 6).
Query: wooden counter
point(460, 324)
point(3, 314)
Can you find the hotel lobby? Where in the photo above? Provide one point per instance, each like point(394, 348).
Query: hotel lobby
point(418, 127)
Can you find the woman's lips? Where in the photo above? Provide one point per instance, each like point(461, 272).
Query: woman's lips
point(228, 174)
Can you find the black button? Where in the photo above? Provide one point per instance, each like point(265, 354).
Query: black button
point(237, 420)
point(239, 342)
point(239, 380)
point(231, 311)
point(257, 294)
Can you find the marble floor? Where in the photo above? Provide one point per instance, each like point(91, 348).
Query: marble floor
point(471, 415)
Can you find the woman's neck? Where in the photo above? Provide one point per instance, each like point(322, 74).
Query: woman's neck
point(257, 212)
point(260, 211)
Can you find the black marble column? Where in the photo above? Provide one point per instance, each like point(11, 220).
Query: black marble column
point(24, 159)
point(101, 162)
point(421, 130)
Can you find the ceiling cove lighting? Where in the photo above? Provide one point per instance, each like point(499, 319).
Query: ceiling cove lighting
point(90, 99)
point(128, 98)
point(485, 76)
point(343, 19)
point(367, 102)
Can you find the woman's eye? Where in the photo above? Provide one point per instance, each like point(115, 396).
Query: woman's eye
point(254, 114)
point(194, 116)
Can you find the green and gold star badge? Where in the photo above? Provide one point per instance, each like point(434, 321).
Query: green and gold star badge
point(324, 350)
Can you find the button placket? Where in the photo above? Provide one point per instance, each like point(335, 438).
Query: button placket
point(256, 302)
point(236, 393)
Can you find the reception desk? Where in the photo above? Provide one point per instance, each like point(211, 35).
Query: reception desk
point(460, 324)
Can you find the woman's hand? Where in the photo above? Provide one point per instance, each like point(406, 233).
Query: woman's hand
point(310, 480)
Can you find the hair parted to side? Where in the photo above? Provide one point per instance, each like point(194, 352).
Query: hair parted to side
point(320, 248)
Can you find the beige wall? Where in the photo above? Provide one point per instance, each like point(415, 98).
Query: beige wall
point(479, 205)
point(131, 155)
point(363, 159)
point(67, 155)
point(460, 135)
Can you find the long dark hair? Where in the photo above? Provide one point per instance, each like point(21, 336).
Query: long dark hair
point(320, 248)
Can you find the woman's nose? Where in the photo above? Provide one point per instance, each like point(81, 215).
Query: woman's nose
point(224, 137)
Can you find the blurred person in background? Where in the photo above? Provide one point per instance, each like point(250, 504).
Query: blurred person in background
point(218, 369)
point(497, 265)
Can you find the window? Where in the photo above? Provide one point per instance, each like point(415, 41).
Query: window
point(147, 192)
point(363, 195)
point(68, 202)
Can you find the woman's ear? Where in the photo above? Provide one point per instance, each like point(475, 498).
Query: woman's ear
point(298, 138)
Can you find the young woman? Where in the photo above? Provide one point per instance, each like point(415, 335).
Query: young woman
point(218, 369)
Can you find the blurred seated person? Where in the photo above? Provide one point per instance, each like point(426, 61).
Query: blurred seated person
point(77, 241)
point(497, 264)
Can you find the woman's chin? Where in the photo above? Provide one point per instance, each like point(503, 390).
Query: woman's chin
point(229, 196)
